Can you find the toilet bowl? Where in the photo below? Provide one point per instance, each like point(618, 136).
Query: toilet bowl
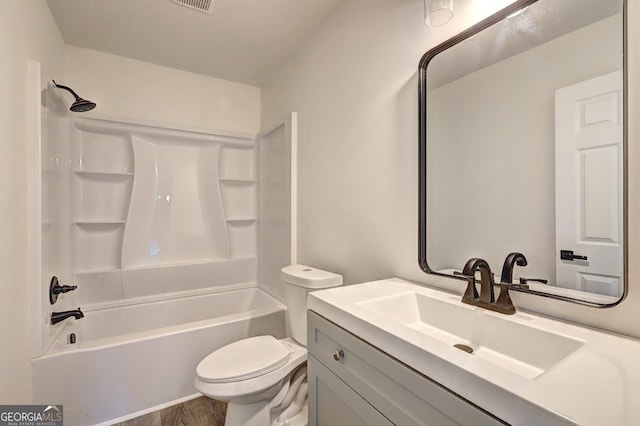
point(263, 379)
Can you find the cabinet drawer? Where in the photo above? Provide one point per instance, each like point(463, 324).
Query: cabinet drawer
point(401, 394)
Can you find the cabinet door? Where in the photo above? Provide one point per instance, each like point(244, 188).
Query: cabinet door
point(333, 403)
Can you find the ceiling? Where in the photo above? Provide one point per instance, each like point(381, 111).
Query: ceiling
point(242, 40)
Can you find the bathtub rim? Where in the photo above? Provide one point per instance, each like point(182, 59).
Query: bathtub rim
point(112, 304)
point(57, 349)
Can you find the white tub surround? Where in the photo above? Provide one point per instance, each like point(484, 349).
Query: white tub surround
point(570, 374)
point(160, 210)
point(132, 358)
point(136, 211)
point(157, 225)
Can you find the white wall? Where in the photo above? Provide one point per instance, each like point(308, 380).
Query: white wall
point(129, 88)
point(355, 89)
point(27, 31)
point(354, 86)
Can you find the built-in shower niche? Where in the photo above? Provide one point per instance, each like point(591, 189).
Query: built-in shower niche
point(102, 180)
point(160, 210)
point(239, 198)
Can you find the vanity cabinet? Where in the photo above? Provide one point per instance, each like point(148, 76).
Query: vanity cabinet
point(352, 383)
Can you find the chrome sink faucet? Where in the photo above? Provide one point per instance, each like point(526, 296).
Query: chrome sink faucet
point(486, 298)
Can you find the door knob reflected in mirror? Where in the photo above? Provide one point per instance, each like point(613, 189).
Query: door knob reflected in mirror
point(568, 255)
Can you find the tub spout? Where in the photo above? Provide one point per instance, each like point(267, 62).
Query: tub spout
point(56, 317)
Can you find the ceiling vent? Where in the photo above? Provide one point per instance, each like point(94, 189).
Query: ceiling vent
point(205, 6)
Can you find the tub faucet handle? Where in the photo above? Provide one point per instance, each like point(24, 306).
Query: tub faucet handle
point(55, 289)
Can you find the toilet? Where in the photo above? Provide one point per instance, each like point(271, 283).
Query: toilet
point(263, 379)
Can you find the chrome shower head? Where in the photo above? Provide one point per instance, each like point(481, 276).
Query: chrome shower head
point(80, 105)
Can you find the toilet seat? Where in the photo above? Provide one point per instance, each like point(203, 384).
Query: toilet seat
point(243, 360)
point(265, 382)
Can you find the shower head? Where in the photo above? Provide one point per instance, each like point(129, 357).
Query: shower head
point(80, 105)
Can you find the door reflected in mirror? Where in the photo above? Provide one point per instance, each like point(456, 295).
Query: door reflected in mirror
point(523, 148)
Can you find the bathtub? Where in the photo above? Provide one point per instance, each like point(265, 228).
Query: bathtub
point(133, 359)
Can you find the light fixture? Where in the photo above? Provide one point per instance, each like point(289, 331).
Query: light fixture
point(437, 12)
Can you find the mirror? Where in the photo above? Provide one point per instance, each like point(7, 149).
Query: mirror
point(522, 148)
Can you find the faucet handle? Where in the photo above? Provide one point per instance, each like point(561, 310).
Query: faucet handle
point(471, 293)
point(537, 280)
point(55, 289)
point(514, 286)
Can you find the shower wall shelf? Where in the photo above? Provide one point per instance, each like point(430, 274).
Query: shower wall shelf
point(159, 210)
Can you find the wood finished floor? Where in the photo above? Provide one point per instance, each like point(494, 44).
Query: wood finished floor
point(197, 412)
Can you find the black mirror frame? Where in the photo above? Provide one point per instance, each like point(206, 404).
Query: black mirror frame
point(422, 148)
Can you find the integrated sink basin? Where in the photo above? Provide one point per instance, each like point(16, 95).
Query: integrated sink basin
point(507, 342)
point(522, 368)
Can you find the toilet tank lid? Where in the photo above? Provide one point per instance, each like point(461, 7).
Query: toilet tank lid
point(308, 277)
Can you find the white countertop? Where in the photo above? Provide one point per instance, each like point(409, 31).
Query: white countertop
point(598, 384)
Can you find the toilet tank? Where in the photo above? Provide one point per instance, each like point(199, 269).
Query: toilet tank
point(298, 281)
